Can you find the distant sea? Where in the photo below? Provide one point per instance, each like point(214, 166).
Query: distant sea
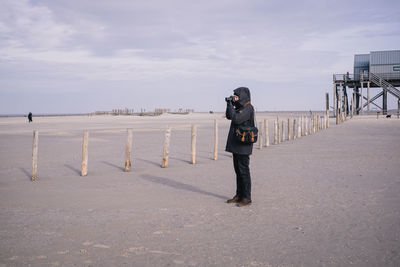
point(371, 112)
point(42, 115)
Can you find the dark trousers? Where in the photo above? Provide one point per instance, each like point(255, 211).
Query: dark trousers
point(243, 180)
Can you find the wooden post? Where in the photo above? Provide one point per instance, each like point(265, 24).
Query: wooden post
point(306, 125)
point(85, 153)
point(368, 99)
point(279, 132)
point(301, 123)
point(341, 101)
point(215, 139)
point(319, 122)
point(283, 131)
point(275, 132)
point(260, 135)
point(327, 119)
point(35, 155)
point(353, 102)
point(362, 98)
point(398, 108)
point(327, 111)
point(310, 126)
point(194, 136)
point(326, 101)
point(299, 128)
point(128, 151)
point(384, 101)
point(334, 99)
point(166, 148)
point(310, 131)
point(288, 130)
point(266, 135)
point(337, 116)
point(338, 104)
point(294, 129)
point(316, 123)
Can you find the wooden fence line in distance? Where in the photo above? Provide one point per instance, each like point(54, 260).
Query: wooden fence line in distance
point(296, 127)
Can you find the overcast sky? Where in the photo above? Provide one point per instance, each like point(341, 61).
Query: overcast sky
point(70, 56)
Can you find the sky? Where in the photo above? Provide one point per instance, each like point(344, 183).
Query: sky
point(78, 56)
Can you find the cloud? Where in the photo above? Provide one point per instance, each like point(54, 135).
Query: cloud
point(209, 39)
point(364, 37)
point(31, 26)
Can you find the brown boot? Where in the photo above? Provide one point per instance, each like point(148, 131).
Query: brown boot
point(244, 202)
point(235, 199)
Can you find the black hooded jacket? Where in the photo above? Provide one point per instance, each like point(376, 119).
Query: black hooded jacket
point(241, 114)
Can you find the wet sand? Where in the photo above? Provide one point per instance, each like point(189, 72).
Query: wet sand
point(329, 199)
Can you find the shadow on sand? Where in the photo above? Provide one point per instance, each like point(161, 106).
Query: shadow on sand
point(178, 185)
point(114, 165)
point(77, 171)
point(148, 161)
point(29, 175)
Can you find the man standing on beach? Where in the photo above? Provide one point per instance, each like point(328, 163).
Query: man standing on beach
point(241, 112)
point(30, 117)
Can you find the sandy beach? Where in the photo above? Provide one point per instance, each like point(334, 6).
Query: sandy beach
point(327, 199)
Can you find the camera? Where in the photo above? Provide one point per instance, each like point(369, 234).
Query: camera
point(230, 99)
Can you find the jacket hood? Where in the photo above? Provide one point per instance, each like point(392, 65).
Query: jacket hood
point(243, 93)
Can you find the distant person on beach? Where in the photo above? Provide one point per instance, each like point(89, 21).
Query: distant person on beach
point(30, 117)
point(240, 111)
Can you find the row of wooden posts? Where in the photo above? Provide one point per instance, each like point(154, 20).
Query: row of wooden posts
point(295, 128)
